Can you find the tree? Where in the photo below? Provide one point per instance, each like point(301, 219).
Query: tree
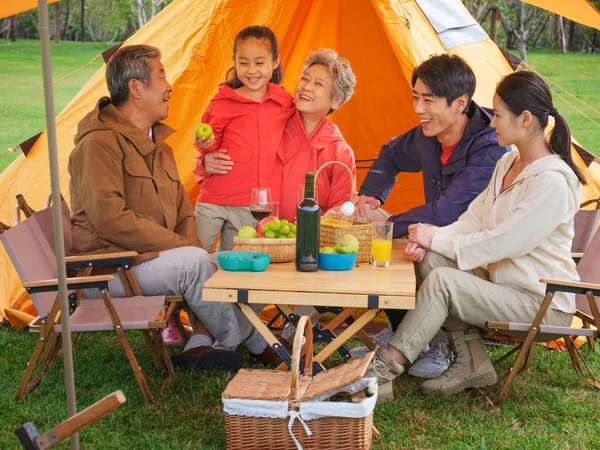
point(560, 39)
point(82, 20)
point(521, 20)
point(57, 22)
point(13, 28)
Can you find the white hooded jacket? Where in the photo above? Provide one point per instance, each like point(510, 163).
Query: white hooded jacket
point(522, 234)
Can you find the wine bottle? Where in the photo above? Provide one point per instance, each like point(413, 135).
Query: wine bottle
point(308, 217)
point(367, 392)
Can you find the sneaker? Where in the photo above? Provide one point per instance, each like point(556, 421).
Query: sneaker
point(381, 339)
point(171, 335)
point(434, 363)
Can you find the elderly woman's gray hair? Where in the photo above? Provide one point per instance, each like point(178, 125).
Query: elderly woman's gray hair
point(127, 63)
point(344, 79)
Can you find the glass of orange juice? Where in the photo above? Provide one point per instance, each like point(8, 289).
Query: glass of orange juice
point(382, 243)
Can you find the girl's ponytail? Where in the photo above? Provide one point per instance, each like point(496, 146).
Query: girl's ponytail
point(560, 142)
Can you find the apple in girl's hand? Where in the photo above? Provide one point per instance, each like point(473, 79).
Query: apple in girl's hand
point(204, 130)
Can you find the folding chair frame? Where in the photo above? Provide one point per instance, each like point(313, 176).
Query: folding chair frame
point(50, 343)
point(526, 348)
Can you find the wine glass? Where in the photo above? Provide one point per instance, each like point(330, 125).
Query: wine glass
point(261, 205)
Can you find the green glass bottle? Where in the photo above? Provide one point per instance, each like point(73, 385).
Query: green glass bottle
point(308, 222)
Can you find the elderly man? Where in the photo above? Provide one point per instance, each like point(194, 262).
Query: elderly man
point(126, 195)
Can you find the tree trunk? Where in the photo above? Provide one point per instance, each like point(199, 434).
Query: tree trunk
point(571, 45)
point(129, 29)
point(82, 20)
point(559, 34)
point(13, 28)
point(493, 25)
point(522, 33)
point(57, 22)
point(67, 19)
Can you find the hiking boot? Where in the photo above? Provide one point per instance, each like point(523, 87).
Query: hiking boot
point(381, 339)
point(471, 367)
point(434, 363)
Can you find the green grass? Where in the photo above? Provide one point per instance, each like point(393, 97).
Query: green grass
point(578, 74)
point(551, 406)
point(21, 77)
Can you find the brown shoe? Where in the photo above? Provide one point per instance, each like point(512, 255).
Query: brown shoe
point(268, 357)
point(207, 358)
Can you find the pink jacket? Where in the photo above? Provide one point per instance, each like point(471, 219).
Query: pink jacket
point(252, 133)
point(306, 154)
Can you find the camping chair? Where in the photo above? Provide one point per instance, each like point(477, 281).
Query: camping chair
point(28, 246)
point(586, 222)
point(588, 310)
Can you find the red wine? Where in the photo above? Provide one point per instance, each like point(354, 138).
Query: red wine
point(307, 229)
point(261, 214)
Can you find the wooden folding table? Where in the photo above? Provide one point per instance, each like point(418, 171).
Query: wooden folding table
point(362, 287)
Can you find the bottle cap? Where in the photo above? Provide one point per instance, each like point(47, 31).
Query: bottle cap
point(348, 208)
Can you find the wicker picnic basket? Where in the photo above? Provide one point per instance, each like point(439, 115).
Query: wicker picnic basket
point(362, 231)
point(271, 409)
point(281, 250)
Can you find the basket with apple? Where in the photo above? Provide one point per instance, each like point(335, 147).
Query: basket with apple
point(272, 236)
point(333, 230)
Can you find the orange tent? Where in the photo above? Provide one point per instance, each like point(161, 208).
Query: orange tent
point(11, 7)
point(383, 39)
point(580, 11)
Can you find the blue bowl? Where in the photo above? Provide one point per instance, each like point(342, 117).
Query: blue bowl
point(243, 261)
point(336, 261)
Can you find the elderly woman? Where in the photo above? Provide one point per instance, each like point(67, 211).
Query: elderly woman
point(311, 139)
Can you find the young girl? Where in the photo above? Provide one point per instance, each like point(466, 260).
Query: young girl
point(487, 265)
point(248, 116)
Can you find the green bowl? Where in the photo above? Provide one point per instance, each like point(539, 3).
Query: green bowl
point(243, 261)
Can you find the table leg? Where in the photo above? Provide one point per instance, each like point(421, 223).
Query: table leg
point(346, 335)
point(266, 333)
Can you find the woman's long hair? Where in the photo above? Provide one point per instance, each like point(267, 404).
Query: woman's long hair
point(527, 91)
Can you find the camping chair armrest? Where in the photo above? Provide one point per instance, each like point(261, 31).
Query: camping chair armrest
point(576, 287)
point(97, 281)
point(100, 259)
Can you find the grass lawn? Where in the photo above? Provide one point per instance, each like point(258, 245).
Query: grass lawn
point(548, 408)
point(21, 77)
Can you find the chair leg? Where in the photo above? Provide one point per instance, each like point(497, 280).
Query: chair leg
point(514, 371)
point(45, 363)
point(573, 354)
point(529, 357)
point(590, 339)
point(152, 348)
point(137, 370)
point(167, 361)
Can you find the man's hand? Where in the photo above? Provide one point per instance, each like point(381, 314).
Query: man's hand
point(217, 162)
point(363, 200)
point(421, 234)
point(415, 252)
point(204, 143)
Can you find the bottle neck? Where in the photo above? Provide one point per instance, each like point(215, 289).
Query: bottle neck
point(309, 185)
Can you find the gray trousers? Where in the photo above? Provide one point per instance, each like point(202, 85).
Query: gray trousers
point(451, 298)
point(183, 271)
point(227, 220)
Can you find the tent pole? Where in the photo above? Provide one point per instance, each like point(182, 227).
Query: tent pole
point(59, 243)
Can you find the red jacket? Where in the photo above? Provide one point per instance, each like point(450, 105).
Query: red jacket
point(252, 133)
point(306, 154)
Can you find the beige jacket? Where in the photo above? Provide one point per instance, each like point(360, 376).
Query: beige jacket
point(125, 188)
point(523, 233)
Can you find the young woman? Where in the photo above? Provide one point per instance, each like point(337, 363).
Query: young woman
point(487, 265)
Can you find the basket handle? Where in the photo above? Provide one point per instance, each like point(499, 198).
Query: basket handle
point(352, 192)
point(304, 328)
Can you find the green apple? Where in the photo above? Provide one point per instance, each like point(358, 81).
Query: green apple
point(204, 130)
point(247, 232)
point(329, 250)
point(346, 244)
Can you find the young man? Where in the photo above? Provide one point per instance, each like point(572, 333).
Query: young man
point(126, 195)
point(454, 147)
